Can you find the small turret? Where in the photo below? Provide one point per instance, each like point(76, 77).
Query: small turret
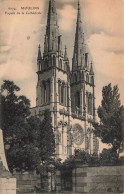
point(39, 53)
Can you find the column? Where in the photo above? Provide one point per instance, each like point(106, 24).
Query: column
point(52, 90)
point(94, 112)
point(41, 93)
point(47, 91)
point(65, 96)
point(81, 101)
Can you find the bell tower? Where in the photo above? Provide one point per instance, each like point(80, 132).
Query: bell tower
point(82, 75)
point(82, 84)
point(68, 95)
point(53, 86)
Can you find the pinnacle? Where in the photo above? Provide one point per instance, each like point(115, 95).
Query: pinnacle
point(39, 53)
point(65, 54)
point(91, 69)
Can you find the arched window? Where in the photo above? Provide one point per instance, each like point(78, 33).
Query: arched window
point(48, 91)
point(90, 104)
point(54, 61)
point(62, 94)
point(41, 67)
point(59, 90)
point(92, 80)
point(50, 61)
point(79, 76)
point(87, 143)
point(65, 67)
point(60, 65)
point(87, 78)
point(65, 96)
point(82, 75)
point(43, 64)
point(45, 93)
point(77, 99)
point(46, 64)
point(75, 78)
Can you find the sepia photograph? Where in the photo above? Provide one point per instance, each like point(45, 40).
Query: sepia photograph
point(61, 96)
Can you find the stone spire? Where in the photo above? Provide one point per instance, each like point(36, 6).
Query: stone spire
point(79, 45)
point(52, 36)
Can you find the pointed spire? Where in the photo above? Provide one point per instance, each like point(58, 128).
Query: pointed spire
point(91, 69)
point(52, 29)
point(79, 41)
point(39, 53)
point(78, 5)
point(65, 54)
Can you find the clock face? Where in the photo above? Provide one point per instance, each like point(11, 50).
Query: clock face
point(78, 134)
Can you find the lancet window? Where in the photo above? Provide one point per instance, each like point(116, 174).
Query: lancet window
point(46, 92)
point(87, 78)
point(92, 80)
point(77, 100)
point(54, 61)
point(82, 75)
point(60, 64)
point(62, 93)
point(87, 143)
point(75, 78)
point(89, 103)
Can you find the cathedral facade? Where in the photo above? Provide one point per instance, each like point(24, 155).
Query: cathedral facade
point(69, 94)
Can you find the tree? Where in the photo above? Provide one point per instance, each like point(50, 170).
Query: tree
point(110, 128)
point(47, 145)
point(26, 136)
point(12, 107)
point(108, 157)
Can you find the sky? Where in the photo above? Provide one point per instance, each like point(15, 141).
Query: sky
point(20, 35)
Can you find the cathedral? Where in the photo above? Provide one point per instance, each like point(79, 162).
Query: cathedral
point(68, 93)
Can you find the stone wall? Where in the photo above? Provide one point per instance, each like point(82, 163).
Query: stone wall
point(7, 181)
point(7, 186)
point(27, 182)
point(106, 179)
